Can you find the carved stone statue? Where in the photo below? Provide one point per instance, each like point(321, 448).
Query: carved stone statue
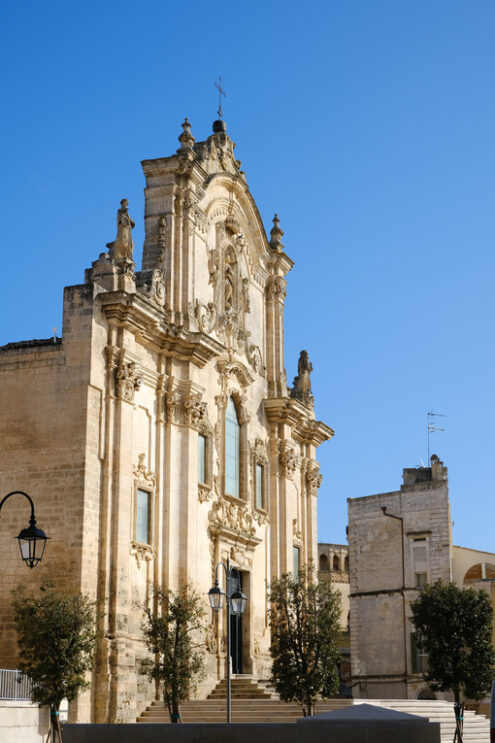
point(123, 246)
point(301, 386)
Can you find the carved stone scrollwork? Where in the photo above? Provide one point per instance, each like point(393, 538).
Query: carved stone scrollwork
point(194, 410)
point(186, 409)
point(240, 558)
point(259, 451)
point(128, 380)
point(173, 403)
point(276, 288)
point(313, 477)
point(288, 460)
point(142, 476)
point(142, 552)
point(225, 514)
point(204, 493)
point(206, 316)
point(261, 517)
point(256, 360)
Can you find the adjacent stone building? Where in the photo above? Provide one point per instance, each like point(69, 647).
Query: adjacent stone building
point(399, 542)
point(333, 568)
point(158, 435)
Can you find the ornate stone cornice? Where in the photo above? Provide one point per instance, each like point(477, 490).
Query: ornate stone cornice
point(292, 412)
point(141, 316)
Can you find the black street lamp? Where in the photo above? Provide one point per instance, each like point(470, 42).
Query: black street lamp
point(32, 541)
point(236, 603)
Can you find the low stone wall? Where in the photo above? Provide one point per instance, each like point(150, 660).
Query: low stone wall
point(379, 732)
point(23, 721)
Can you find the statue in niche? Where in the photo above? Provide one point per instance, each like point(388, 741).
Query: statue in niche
point(121, 249)
point(301, 386)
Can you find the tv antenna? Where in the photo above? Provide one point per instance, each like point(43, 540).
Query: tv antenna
point(432, 428)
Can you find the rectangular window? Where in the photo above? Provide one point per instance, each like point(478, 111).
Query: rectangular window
point(419, 657)
point(232, 451)
point(295, 561)
point(421, 579)
point(201, 458)
point(143, 517)
point(259, 486)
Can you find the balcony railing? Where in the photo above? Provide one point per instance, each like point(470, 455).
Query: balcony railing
point(14, 685)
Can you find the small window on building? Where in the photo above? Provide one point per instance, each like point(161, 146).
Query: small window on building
point(260, 500)
point(346, 564)
point(419, 657)
point(336, 563)
point(421, 579)
point(295, 561)
point(201, 458)
point(143, 517)
point(324, 563)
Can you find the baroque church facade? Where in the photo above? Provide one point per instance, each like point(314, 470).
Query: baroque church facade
point(159, 436)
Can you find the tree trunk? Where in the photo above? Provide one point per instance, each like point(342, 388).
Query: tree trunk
point(459, 721)
point(55, 734)
point(175, 713)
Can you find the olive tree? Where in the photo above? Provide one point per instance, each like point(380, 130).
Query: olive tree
point(304, 622)
point(455, 628)
point(56, 634)
point(172, 628)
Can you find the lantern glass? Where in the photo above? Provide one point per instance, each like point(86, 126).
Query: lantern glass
point(32, 542)
point(216, 596)
point(238, 602)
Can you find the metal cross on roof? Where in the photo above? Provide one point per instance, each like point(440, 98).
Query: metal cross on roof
point(221, 92)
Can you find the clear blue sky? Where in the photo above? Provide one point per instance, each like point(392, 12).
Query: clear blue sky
point(367, 125)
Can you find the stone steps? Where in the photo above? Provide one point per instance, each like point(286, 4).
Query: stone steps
point(257, 703)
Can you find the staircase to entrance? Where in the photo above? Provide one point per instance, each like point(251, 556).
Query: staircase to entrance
point(253, 701)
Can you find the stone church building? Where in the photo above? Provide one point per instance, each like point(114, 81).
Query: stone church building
point(158, 435)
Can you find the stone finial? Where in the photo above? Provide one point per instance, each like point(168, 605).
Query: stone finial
point(276, 235)
point(123, 245)
point(186, 138)
point(301, 386)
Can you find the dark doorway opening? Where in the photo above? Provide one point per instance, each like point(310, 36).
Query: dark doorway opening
point(236, 628)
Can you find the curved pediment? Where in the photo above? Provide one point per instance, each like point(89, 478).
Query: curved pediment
point(235, 369)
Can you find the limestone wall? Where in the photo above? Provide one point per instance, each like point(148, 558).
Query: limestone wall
point(390, 559)
point(23, 721)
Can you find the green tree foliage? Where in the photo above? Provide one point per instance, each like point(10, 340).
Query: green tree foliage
point(170, 631)
point(455, 625)
point(57, 637)
point(304, 622)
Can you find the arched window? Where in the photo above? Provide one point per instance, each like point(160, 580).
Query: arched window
point(346, 564)
point(324, 562)
point(336, 563)
point(232, 451)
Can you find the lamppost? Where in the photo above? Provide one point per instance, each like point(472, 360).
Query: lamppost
point(236, 603)
point(32, 541)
